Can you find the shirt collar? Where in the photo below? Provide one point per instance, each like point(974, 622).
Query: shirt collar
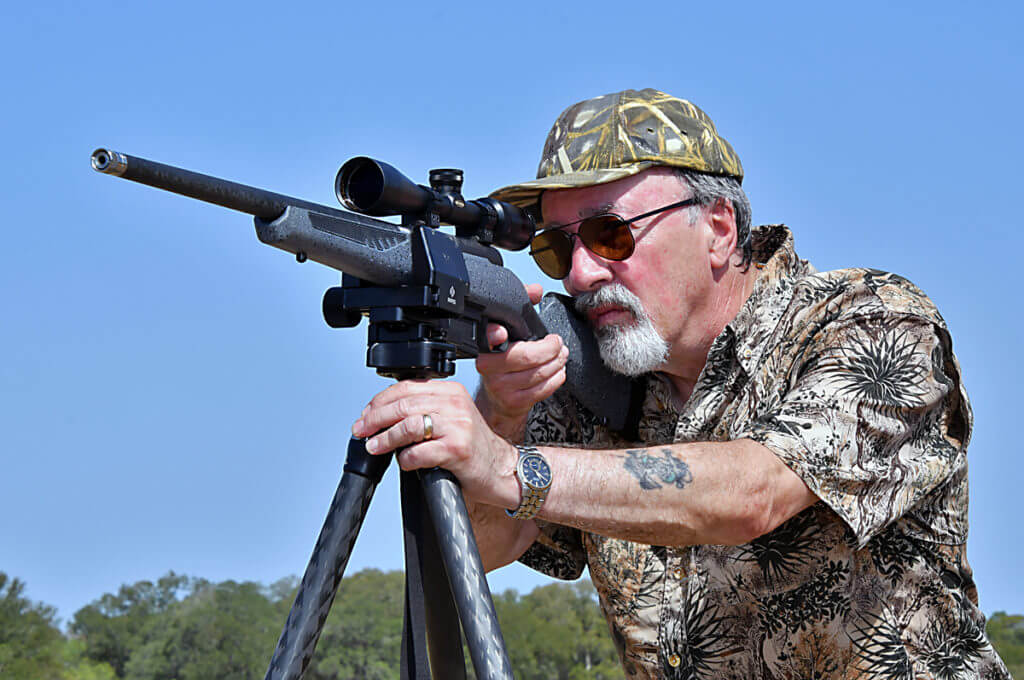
point(779, 269)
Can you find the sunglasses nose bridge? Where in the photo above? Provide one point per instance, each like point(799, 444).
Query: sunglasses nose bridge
point(587, 268)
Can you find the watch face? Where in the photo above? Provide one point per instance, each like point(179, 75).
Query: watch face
point(536, 472)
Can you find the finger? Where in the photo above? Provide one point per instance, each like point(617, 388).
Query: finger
point(406, 432)
point(521, 356)
point(380, 416)
point(407, 388)
point(543, 390)
point(496, 334)
point(522, 400)
point(535, 291)
point(428, 454)
point(521, 380)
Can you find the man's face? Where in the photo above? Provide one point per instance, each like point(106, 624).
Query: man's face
point(667, 275)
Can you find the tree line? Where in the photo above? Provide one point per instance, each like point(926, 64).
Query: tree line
point(182, 628)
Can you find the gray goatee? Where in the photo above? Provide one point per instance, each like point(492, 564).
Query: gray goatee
point(633, 348)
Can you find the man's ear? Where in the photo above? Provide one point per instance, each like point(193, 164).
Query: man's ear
point(722, 222)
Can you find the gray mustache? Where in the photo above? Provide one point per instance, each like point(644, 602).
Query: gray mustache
point(612, 294)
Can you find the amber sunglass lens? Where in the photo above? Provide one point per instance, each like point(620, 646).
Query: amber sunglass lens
point(608, 236)
point(552, 251)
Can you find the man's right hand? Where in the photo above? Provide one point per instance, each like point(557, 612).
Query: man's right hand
point(513, 381)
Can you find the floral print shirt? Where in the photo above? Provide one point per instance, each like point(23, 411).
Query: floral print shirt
point(850, 378)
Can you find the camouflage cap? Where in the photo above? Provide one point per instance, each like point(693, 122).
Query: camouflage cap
point(617, 135)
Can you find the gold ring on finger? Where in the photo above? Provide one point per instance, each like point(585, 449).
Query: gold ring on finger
point(428, 427)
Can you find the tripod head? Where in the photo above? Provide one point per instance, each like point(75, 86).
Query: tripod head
point(416, 330)
point(419, 329)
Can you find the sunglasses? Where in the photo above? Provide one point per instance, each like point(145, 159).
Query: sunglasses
point(607, 235)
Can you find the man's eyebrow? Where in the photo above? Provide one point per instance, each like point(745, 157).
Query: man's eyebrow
point(582, 214)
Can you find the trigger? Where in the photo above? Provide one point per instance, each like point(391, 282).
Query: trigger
point(484, 345)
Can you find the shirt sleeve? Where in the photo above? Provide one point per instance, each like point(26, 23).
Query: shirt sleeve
point(873, 418)
point(558, 551)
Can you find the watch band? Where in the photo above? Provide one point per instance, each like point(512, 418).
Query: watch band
point(534, 475)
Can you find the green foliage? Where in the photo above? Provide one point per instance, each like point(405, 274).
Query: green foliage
point(114, 626)
point(180, 629)
point(557, 631)
point(363, 633)
point(225, 630)
point(79, 667)
point(1006, 632)
point(30, 643)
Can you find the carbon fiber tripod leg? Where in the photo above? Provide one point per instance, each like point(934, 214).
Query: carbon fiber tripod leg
point(431, 625)
point(327, 564)
point(466, 575)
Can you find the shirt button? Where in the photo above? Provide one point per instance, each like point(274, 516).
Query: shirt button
point(674, 661)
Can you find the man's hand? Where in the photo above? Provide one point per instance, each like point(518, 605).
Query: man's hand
point(513, 381)
point(461, 442)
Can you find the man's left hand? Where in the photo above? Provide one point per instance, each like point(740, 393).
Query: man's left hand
point(461, 441)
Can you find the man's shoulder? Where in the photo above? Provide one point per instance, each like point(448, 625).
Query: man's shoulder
point(793, 287)
point(862, 291)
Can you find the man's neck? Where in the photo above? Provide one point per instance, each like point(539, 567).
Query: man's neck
point(726, 302)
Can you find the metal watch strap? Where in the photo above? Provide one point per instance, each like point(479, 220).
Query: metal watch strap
point(530, 498)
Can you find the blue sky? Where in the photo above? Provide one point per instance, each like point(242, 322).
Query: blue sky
point(169, 395)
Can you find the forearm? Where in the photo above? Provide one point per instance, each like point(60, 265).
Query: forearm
point(680, 494)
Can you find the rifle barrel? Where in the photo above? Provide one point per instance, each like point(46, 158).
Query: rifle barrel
point(266, 205)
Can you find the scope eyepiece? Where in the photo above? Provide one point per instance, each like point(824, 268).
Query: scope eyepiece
point(513, 227)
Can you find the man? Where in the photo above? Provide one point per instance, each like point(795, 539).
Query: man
point(797, 506)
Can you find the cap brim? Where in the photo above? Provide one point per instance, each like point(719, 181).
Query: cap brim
point(528, 194)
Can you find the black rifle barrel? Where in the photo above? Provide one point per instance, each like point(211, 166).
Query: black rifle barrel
point(266, 205)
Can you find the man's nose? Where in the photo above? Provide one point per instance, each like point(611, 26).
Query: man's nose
point(589, 270)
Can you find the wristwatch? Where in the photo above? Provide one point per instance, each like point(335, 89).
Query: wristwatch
point(534, 476)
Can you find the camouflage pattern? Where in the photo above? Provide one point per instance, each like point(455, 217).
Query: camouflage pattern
point(617, 135)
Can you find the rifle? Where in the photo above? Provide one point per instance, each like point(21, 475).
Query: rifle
point(428, 296)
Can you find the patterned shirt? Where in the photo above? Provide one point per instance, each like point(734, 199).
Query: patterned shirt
point(850, 378)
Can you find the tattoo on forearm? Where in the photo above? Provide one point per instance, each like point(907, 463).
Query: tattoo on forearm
point(648, 468)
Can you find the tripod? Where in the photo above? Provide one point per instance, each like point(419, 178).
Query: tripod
point(445, 582)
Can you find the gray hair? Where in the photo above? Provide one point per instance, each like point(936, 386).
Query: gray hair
point(707, 189)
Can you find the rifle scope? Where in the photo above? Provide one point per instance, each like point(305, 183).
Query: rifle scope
point(375, 188)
